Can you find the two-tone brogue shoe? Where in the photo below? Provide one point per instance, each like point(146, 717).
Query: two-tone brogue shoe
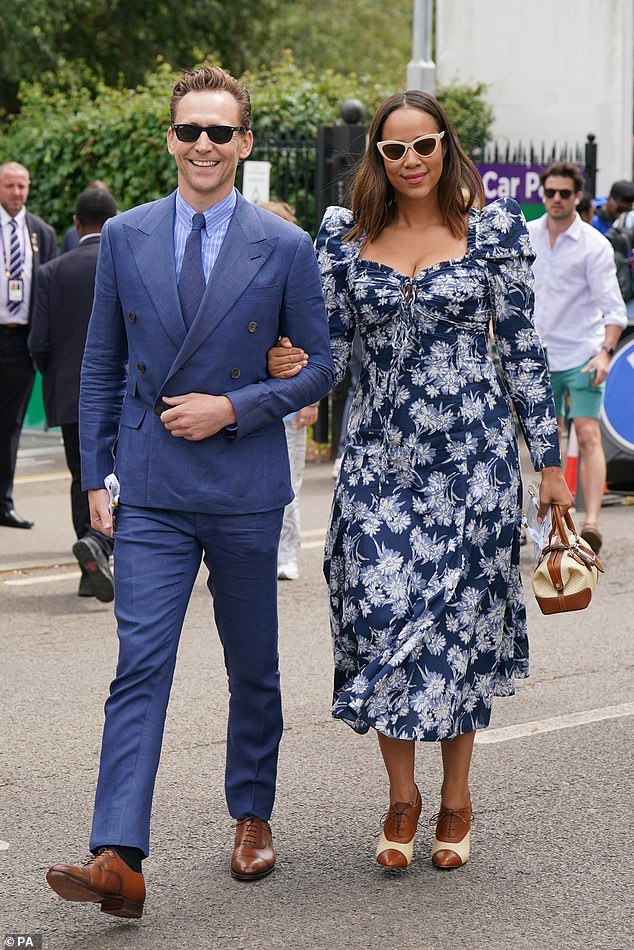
point(395, 848)
point(452, 841)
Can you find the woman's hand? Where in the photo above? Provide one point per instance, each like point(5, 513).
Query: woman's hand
point(285, 360)
point(306, 417)
point(553, 490)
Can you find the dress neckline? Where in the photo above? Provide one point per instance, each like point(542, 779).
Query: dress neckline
point(471, 238)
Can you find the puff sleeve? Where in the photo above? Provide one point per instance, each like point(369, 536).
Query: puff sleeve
point(505, 251)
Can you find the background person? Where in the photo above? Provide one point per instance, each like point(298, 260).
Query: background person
point(422, 554)
point(27, 241)
point(618, 203)
point(65, 292)
point(191, 291)
point(71, 238)
point(295, 426)
point(580, 315)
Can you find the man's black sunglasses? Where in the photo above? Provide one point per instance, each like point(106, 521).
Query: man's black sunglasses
point(564, 192)
point(218, 134)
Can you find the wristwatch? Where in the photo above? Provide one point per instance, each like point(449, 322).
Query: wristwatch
point(608, 349)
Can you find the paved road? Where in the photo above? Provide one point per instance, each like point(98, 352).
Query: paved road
point(552, 855)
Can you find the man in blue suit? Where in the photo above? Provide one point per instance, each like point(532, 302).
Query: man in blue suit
point(191, 292)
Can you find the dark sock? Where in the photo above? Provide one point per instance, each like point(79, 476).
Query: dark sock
point(131, 856)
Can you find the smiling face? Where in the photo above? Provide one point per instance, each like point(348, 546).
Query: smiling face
point(206, 171)
point(413, 177)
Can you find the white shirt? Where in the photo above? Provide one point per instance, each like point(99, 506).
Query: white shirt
point(21, 315)
point(576, 292)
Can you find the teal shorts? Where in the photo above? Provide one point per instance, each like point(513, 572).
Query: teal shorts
point(585, 399)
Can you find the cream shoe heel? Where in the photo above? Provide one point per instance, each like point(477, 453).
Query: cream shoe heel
point(396, 844)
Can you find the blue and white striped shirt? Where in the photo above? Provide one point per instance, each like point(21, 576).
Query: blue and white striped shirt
point(216, 225)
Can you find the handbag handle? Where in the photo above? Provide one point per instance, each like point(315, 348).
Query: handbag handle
point(561, 521)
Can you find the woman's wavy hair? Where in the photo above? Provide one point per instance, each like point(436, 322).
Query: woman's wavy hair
point(373, 202)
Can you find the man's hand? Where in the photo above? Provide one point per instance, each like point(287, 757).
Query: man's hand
point(285, 360)
point(598, 366)
point(197, 416)
point(100, 517)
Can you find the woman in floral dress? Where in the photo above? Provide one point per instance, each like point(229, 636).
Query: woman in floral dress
point(422, 554)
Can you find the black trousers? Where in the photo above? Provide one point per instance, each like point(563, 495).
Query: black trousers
point(16, 383)
point(78, 498)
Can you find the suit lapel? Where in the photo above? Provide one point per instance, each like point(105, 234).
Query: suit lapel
point(152, 246)
point(34, 237)
point(244, 251)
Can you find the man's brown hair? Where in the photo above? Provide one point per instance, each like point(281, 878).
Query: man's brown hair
point(563, 170)
point(211, 77)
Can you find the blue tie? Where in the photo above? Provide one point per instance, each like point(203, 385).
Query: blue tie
point(191, 285)
point(15, 260)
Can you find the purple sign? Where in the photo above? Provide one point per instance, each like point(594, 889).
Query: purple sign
point(512, 181)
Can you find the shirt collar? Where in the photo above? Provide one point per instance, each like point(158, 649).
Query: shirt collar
point(573, 231)
point(215, 216)
point(5, 217)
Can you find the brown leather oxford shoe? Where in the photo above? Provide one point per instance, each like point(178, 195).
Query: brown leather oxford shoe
point(253, 852)
point(104, 879)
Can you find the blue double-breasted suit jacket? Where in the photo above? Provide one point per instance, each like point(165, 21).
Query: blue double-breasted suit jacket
point(264, 284)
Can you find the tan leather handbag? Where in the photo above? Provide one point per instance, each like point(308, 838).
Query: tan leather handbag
point(568, 569)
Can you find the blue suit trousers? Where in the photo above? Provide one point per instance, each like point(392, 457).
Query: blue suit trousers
point(157, 558)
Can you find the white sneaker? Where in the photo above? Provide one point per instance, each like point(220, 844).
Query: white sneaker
point(288, 572)
point(336, 467)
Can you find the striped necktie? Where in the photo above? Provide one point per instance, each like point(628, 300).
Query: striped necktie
point(191, 285)
point(15, 261)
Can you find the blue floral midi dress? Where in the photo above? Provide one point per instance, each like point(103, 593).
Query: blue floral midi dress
point(422, 554)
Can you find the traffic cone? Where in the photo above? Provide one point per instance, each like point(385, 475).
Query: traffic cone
point(572, 461)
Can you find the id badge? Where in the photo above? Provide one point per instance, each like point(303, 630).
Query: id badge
point(16, 290)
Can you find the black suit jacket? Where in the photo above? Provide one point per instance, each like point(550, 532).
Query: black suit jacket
point(42, 237)
point(65, 288)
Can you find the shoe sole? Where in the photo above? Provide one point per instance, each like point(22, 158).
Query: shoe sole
point(594, 539)
point(71, 890)
point(251, 877)
point(100, 582)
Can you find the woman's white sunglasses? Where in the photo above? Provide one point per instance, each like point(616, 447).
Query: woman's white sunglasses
point(425, 145)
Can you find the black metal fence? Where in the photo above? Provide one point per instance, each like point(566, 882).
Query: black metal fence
point(293, 166)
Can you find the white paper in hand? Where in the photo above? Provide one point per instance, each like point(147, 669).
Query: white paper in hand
point(538, 533)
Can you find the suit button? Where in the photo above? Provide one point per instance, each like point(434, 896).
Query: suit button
point(140, 367)
point(160, 408)
point(132, 316)
point(235, 373)
point(252, 327)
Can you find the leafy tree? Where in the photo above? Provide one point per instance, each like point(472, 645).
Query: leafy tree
point(119, 40)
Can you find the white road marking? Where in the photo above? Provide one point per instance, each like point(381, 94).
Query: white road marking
point(4, 845)
point(524, 729)
point(43, 579)
point(52, 477)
